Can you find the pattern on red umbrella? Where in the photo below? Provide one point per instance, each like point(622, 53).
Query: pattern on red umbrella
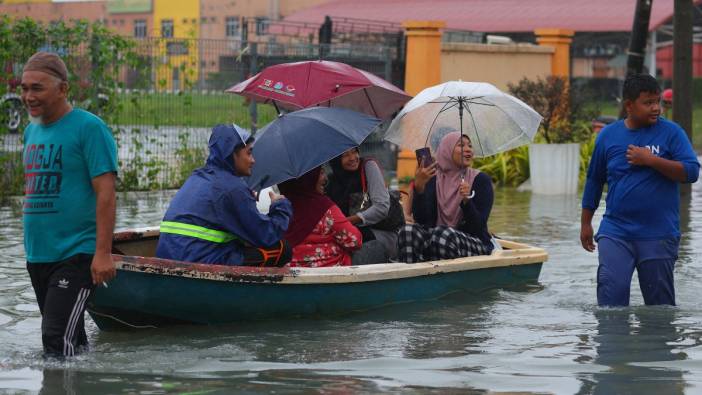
point(298, 85)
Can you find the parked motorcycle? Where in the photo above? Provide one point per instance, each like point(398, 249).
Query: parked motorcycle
point(13, 112)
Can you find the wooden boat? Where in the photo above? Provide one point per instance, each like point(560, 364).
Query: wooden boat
point(151, 292)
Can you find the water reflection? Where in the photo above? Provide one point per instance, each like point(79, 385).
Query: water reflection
point(553, 207)
point(452, 329)
point(687, 215)
point(71, 382)
point(549, 338)
point(635, 344)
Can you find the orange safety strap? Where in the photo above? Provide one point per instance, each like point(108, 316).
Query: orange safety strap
point(275, 253)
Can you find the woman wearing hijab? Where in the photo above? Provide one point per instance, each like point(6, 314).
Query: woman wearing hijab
point(319, 232)
point(345, 188)
point(451, 207)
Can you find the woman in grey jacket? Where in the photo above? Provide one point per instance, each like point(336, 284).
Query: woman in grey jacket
point(346, 189)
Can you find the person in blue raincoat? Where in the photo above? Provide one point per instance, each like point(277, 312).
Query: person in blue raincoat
point(213, 218)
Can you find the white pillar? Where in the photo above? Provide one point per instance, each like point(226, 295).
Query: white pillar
point(651, 58)
point(274, 10)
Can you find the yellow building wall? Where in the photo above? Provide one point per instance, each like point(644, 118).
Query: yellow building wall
point(496, 64)
point(177, 71)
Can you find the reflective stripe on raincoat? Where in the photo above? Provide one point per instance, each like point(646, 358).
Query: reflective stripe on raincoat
point(216, 200)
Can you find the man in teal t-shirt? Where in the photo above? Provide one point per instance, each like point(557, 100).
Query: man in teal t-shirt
point(70, 161)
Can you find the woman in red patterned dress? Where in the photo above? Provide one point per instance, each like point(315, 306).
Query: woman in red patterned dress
point(319, 232)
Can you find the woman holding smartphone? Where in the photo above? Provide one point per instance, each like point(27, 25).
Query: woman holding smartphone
point(451, 205)
point(357, 186)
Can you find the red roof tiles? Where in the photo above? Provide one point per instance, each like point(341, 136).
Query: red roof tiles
point(496, 15)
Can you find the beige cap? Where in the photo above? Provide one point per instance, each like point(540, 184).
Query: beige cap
point(48, 63)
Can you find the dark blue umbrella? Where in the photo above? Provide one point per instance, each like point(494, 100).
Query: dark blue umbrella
point(299, 141)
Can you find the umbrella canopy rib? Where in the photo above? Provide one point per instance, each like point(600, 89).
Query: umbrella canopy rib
point(510, 119)
point(498, 121)
point(475, 128)
point(426, 141)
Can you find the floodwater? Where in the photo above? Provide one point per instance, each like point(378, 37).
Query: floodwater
point(545, 338)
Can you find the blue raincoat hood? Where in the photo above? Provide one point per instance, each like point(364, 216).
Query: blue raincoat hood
point(214, 197)
point(222, 142)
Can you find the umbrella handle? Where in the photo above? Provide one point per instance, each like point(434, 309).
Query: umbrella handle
point(472, 192)
point(259, 187)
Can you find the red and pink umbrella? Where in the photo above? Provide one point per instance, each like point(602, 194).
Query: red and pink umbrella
point(298, 85)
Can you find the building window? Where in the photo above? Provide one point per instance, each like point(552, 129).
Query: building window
point(232, 26)
point(140, 28)
point(261, 25)
point(167, 28)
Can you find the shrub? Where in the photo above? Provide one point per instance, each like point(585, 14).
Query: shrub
point(561, 107)
point(509, 168)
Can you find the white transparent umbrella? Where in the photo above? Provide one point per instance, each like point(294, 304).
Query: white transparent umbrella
point(493, 120)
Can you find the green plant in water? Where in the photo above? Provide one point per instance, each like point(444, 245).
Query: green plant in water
point(586, 150)
point(189, 159)
point(11, 174)
point(509, 168)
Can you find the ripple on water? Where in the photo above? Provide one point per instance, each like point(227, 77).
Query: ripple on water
point(546, 338)
point(26, 307)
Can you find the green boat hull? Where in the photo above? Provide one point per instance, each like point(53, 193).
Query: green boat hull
point(150, 292)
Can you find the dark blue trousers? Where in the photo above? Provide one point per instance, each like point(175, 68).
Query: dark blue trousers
point(654, 261)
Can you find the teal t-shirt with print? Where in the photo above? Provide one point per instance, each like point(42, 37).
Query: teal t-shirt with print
point(60, 160)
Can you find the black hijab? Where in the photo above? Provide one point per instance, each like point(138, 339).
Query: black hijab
point(343, 183)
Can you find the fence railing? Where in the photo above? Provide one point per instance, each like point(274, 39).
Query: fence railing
point(168, 102)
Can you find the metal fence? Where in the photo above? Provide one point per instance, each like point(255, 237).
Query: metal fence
point(171, 98)
point(168, 101)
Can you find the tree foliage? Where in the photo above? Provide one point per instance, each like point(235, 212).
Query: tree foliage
point(562, 108)
point(94, 55)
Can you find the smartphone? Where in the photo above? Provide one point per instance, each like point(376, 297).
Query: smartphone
point(424, 157)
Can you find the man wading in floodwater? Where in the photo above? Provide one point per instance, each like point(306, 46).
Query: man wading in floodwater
point(70, 161)
point(642, 159)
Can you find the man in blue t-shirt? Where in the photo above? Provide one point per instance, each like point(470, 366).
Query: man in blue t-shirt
point(70, 161)
point(642, 158)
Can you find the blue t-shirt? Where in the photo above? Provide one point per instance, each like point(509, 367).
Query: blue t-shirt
point(642, 204)
point(60, 160)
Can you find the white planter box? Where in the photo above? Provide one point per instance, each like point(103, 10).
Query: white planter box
point(554, 168)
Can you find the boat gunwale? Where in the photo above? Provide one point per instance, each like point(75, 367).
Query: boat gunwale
point(516, 254)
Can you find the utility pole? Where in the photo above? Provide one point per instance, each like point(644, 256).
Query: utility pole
point(639, 35)
point(637, 42)
point(682, 65)
point(682, 70)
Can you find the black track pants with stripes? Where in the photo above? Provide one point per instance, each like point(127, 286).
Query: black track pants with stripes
point(62, 289)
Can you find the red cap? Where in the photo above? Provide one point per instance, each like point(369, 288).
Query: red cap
point(667, 95)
